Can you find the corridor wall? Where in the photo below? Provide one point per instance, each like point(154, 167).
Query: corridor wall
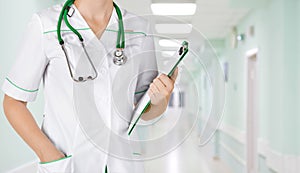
point(276, 36)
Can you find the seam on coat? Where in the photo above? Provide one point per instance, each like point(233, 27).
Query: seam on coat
point(83, 29)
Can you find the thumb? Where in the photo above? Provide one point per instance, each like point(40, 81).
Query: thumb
point(174, 75)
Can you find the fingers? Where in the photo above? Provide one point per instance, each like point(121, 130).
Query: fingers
point(159, 87)
point(159, 84)
point(163, 85)
point(157, 97)
point(168, 82)
point(154, 88)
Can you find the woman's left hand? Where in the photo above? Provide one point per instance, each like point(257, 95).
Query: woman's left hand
point(161, 88)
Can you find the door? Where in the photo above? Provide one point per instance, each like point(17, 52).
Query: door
point(252, 119)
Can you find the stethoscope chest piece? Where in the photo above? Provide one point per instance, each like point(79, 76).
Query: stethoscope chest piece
point(119, 57)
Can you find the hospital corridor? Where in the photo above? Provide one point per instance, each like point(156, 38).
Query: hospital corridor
point(235, 106)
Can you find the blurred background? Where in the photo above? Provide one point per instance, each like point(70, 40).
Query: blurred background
point(257, 45)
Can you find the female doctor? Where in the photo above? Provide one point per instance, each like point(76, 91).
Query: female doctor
point(60, 144)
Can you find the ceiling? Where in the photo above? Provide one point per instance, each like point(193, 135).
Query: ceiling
point(213, 18)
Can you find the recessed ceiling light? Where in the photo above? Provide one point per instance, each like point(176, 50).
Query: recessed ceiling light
point(174, 28)
point(169, 43)
point(173, 8)
point(168, 53)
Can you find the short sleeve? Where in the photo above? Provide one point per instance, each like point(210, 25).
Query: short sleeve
point(23, 80)
point(148, 69)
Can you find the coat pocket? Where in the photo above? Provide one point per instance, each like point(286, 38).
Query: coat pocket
point(63, 165)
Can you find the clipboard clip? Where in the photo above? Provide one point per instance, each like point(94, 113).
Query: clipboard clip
point(183, 48)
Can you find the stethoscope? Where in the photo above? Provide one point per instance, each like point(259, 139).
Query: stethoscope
point(119, 57)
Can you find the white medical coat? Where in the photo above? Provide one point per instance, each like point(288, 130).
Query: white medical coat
point(40, 58)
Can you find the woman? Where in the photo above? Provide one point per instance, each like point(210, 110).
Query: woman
point(61, 145)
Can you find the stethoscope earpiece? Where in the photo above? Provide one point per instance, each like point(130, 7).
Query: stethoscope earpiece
point(80, 79)
point(71, 11)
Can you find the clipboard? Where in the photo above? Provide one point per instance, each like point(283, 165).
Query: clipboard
point(145, 101)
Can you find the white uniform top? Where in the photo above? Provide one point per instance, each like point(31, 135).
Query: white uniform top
point(40, 58)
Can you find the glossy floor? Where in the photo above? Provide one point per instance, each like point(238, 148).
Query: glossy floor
point(189, 157)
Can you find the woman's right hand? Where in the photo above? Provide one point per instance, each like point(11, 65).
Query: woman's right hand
point(25, 125)
point(51, 154)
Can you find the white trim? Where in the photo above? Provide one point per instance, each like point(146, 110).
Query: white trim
point(233, 132)
point(274, 160)
point(277, 161)
point(281, 163)
point(262, 147)
point(233, 154)
point(291, 164)
point(30, 167)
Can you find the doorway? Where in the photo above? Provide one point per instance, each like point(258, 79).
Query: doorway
point(252, 113)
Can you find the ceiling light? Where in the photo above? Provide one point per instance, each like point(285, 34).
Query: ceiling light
point(169, 43)
point(168, 53)
point(174, 28)
point(173, 8)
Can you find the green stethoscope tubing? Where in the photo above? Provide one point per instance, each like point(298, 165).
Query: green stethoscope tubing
point(121, 32)
point(119, 58)
point(64, 16)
